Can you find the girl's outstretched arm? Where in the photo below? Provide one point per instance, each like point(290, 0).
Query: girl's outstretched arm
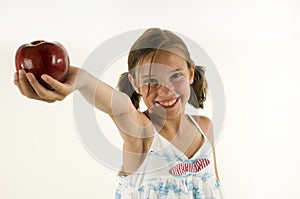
point(103, 96)
point(99, 94)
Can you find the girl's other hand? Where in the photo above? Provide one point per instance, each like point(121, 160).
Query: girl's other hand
point(31, 88)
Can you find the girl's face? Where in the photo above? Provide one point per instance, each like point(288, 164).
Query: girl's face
point(165, 86)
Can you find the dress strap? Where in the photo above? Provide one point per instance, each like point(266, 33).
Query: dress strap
point(197, 125)
point(206, 147)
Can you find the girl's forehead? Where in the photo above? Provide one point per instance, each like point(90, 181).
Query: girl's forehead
point(154, 69)
point(163, 61)
point(165, 57)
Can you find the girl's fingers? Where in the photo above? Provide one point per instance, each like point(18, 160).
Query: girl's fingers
point(16, 80)
point(29, 86)
point(24, 85)
point(56, 85)
point(42, 92)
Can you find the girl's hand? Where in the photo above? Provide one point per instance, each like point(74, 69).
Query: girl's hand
point(31, 88)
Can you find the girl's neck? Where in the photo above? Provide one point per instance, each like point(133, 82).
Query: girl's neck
point(168, 128)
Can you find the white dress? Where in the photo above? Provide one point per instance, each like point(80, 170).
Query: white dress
point(167, 173)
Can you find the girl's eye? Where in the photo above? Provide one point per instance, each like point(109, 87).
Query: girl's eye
point(151, 81)
point(176, 75)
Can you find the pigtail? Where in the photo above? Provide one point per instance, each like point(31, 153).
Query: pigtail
point(125, 86)
point(198, 88)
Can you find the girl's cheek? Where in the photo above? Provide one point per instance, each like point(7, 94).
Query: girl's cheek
point(183, 89)
point(182, 85)
point(146, 90)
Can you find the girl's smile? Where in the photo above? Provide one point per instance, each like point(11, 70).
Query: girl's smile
point(169, 103)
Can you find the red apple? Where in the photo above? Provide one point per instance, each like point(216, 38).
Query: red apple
point(41, 57)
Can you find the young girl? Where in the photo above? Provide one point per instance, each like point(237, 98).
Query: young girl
point(166, 153)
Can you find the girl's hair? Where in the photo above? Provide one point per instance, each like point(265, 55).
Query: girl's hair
point(150, 42)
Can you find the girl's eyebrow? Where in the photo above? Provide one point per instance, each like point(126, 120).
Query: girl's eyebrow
point(178, 69)
point(175, 70)
point(147, 76)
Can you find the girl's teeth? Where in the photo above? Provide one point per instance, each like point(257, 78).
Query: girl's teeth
point(169, 103)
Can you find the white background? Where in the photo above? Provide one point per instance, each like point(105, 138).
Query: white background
point(254, 45)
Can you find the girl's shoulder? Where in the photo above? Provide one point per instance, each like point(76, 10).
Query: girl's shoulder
point(204, 123)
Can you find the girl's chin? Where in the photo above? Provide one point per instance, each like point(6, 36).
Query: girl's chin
point(159, 112)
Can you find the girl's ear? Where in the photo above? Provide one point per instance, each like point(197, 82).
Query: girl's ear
point(133, 83)
point(191, 73)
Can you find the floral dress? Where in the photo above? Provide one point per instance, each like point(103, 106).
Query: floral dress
point(167, 173)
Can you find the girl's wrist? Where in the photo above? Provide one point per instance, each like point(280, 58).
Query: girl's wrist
point(81, 79)
point(85, 81)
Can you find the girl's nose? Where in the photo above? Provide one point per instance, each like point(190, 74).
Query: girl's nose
point(165, 87)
